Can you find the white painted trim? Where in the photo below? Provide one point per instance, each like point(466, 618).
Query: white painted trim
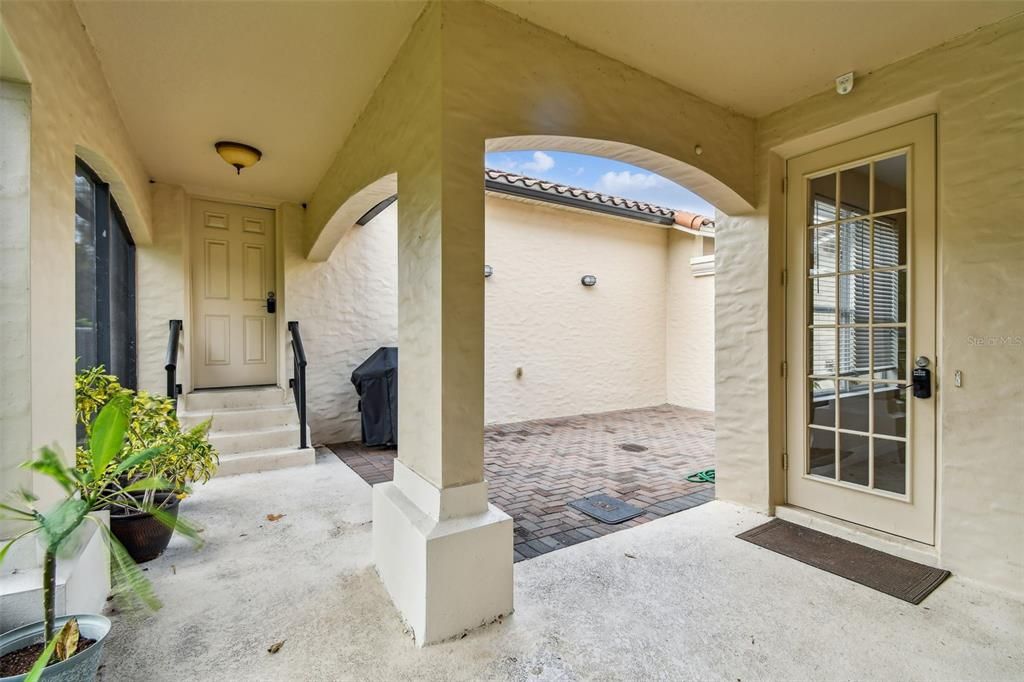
point(441, 504)
point(702, 266)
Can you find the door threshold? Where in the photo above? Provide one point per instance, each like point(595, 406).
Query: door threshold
point(249, 387)
point(905, 548)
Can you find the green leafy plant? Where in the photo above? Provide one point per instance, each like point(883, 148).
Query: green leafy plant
point(186, 456)
point(91, 486)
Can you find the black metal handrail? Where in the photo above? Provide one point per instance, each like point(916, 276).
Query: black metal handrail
point(171, 361)
point(298, 382)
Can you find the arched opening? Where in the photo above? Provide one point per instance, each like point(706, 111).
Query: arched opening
point(599, 336)
point(349, 213)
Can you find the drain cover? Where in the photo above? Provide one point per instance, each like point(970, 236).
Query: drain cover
point(606, 509)
point(633, 447)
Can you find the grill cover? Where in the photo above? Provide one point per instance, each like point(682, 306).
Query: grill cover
point(376, 382)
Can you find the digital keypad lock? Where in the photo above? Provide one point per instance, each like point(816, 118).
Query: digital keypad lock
point(921, 378)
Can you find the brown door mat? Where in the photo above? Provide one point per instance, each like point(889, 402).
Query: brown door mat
point(901, 578)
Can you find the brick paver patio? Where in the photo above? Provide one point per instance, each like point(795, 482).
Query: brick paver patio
point(535, 468)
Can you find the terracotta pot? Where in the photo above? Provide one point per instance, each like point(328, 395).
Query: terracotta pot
point(142, 534)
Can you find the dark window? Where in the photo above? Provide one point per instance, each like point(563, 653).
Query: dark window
point(105, 332)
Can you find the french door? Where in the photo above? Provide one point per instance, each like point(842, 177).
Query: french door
point(860, 318)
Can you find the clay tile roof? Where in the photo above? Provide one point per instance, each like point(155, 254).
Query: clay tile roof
point(499, 180)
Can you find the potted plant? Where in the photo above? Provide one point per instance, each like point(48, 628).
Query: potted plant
point(186, 457)
point(73, 652)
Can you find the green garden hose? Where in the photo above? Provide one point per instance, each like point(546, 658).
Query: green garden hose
point(707, 476)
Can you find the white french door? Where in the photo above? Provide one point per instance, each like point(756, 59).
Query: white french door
point(860, 317)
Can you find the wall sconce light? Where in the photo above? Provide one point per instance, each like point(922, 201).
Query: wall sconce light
point(237, 154)
point(488, 271)
point(588, 280)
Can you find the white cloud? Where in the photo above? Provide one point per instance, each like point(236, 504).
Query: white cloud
point(541, 162)
point(626, 183)
point(538, 163)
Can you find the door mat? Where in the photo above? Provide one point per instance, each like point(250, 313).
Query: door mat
point(606, 509)
point(900, 578)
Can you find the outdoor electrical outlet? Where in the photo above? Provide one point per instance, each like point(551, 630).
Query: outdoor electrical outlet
point(519, 372)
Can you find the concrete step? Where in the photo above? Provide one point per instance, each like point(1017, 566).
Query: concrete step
point(243, 419)
point(265, 460)
point(234, 442)
point(235, 398)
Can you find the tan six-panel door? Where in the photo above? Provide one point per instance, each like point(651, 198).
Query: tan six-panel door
point(234, 336)
point(860, 315)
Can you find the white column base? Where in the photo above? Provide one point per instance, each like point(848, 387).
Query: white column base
point(83, 579)
point(445, 556)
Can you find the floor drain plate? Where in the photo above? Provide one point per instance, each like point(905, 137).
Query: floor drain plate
point(633, 447)
point(606, 509)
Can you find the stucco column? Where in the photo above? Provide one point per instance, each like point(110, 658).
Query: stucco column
point(444, 553)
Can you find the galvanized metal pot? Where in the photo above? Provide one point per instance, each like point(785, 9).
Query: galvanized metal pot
point(81, 667)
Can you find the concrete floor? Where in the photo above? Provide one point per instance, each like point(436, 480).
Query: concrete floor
point(690, 602)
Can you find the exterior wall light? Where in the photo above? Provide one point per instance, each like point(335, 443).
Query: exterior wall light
point(488, 271)
point(237, 154)
point(588, 280)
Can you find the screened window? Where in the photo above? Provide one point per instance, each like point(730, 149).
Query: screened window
point(105, 332)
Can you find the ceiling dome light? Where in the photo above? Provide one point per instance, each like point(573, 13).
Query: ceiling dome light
point(588, 280)
point(237, 154)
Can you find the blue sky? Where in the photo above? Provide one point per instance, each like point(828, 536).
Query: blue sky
point(601, 175)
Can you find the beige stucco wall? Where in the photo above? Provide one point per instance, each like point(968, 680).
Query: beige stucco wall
point(72, 113)
point(975, 85)
point(162, 284)
point(581, 349)
point(15, 312)
point(347, 307)
point(689, 327)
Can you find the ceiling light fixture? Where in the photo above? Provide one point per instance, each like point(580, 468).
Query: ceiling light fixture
point(588, 280)
point(237, 154)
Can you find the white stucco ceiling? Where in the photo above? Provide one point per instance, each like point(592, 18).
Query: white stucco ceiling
point(292, 77)
point(288, 77)
point(757, 56)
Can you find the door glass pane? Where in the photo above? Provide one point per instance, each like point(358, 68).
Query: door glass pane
point(821, 449)
point(854, 354)
point(854, 298)
point(853, 458)
point(821, 249)
point(821, 200)
point(854, 191)
point(889, 359)
point(890, 465)
point(891, 183)
point(823, 351)
point(890, 296)
point(890, 240)
point(890, 406)
point(822, 296)
point(85, 272)
point(855, 245)
point(853, 406)
point(822, 394)
point(858, 332)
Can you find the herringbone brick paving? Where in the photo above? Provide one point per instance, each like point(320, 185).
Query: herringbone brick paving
point(535, 468)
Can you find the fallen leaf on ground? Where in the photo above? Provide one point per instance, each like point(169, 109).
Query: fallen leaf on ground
point(274, 517)
point(629, 556)
point(276, 646)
